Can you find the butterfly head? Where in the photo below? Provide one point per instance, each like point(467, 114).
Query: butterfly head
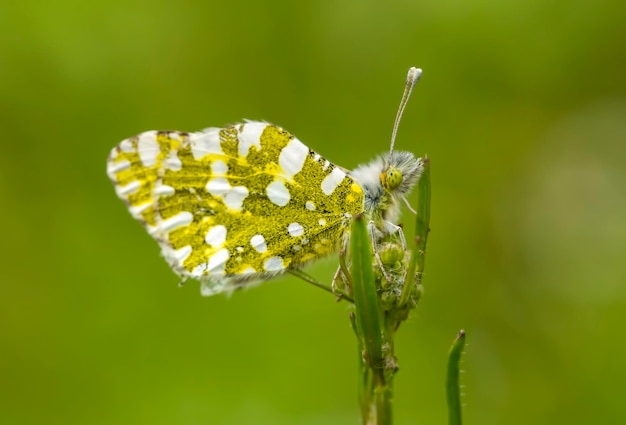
point(386, 181)
point(401, 172)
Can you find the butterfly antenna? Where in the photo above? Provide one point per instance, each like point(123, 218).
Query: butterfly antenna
point(411, 79)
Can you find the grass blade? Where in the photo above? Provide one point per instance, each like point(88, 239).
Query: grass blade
point(453, 388)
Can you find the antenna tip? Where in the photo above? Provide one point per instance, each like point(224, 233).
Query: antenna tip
point(414, 75)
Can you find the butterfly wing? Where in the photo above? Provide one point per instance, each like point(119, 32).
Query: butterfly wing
point(234, 205)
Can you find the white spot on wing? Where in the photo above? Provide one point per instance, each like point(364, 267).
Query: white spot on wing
point(322, 222)
point(216, 236)
point(218, 168)
point(332, 180)
point(250, 135)
point(116, 167)
point(291, 158)
point(278, 193)
point(273, 264)
point(136, 210)
point(310, 206)
point(180, 219)
point(163, 190)
point(258, 243)
point(180, 255)
point(124, 191)
point(148, 148)
point(235, 197)
point(206, 142)
point(153, 231)
point(218, 186)
point(174, 135)
point(173, 161)
point(295, 229)
point(126, 145)
point(199, 270)
point(217, 262)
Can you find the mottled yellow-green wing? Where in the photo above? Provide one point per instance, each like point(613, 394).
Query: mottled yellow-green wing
point(234, 205)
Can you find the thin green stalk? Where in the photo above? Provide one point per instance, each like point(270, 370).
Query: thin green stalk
point(453, 388)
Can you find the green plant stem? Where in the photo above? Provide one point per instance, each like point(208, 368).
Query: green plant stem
point(453, 389)
point(370, 328)
point(422, 228)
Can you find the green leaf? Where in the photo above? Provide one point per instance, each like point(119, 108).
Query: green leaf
point(453, 388)
point(368, 312)
point(422, 228)
point(423, 212)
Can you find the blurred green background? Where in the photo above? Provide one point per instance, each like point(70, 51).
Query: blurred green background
point(522, 110)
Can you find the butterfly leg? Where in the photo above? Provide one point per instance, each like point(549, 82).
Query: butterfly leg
point(339, 276)
point(307, 278)
point(391, 228)
point(342, 275)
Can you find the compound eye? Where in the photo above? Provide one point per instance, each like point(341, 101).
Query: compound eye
point(391, 178)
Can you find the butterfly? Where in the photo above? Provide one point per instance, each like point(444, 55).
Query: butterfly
point(242, 204)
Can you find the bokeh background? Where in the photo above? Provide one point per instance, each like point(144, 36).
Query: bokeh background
point(522, 110)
